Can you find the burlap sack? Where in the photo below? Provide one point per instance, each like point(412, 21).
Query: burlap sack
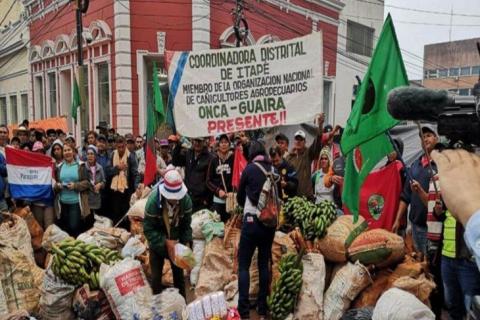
point(282, 244)
point(370, 296)
point(216, 270)
point(340, 235)
point(36, 231)
point(347, 284)
point(310, 302)
point(14, 234)
point(20, 281)
point(233, 228)
point(378, 247)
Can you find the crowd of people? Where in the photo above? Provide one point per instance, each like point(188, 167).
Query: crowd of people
point(100, 175)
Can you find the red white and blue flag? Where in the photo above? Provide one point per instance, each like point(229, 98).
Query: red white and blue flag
point(29, 175)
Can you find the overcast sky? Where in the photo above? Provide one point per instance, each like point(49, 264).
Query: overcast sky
point(412, 37)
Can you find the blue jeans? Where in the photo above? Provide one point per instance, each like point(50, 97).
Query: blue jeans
point(461, 281)
point(254, 235)
point(71, 218)
point(419, 235)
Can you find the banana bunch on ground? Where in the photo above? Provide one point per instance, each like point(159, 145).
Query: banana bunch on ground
point(285, 290)
point(313, 219)
point(77, 262)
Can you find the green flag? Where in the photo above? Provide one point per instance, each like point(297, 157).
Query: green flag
point(369, 116)
point(358, 164)
point(157, 95)
point(76, 100)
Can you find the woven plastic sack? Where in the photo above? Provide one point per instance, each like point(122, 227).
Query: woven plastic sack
point(127, 290)
point(137, 210)
point(20, 281)
point(213, 229)
point(91, 304)
point(198, 251)
point(14, 233)
point(378, 247)
point(346, 285)
point(310, 303)
point(200, 218)
point(53, 234)
point(396, 304)
point(56, 298)
point(169, 304)
point(340, 235)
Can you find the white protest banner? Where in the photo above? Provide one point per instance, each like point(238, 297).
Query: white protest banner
point(246, 88)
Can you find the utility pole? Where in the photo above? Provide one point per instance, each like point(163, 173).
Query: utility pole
point(82, 7)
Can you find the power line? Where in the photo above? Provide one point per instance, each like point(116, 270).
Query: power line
point(8, 12)
point(416, 22)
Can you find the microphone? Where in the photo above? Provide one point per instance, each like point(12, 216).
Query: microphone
point(409, 103)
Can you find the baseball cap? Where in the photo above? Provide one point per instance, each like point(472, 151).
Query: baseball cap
point(300, 134)
point(70, 136)
point(163, 142)
point(429, 128)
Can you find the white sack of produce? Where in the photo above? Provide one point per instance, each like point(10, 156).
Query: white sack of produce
point(102, 222)
point(53, 234)
point(169, 304)
point(200, 218)
point(396, 304)
point(20, 282)
point(127, 289)
point(340, 235)
point(56, 298)
point(310, 303)
point(112, 238)
point(346, 285)
point(133, 248)
point(14, 233)
point(184, 258)
point(137, 210)
point(198, 250)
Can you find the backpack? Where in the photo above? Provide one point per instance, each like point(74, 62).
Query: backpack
point(268, 202)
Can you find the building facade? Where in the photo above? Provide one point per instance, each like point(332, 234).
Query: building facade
point(452, 66)
point(360, 26)
point(122, 39)
point(14, 66)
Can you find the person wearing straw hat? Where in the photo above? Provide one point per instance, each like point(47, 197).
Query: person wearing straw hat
point(168, 215)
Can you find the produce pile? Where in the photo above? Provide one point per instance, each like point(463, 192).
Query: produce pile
point(281, 301)
point(313, 219)
point(77, 262)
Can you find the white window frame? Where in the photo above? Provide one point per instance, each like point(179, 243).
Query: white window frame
point(47, 85)
point(36, 107)
point(24, 116)
point(11, 111)
point(96, 96)
point(6, 107)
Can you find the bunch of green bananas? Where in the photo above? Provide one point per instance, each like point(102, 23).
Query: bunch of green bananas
point(285, 290)
point(77, 262)
point(313, 219)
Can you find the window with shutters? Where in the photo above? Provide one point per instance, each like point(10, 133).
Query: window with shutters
point(359, 38)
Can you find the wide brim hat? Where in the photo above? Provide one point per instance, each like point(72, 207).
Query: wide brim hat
point(172, 187)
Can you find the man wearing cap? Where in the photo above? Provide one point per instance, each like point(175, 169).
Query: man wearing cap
point(412, 192)
point(22, 134)
point(301, 158)
point(130, 142)
point(168, 214)
point(195, 161)
point(165, 151)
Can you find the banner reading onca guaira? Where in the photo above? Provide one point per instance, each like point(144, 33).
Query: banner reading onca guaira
point(228, 90)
